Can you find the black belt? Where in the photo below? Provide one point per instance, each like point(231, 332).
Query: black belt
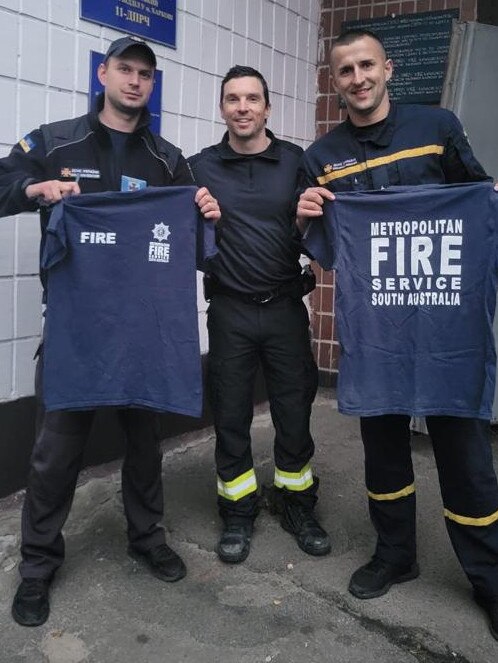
point(291, 288)
point(297, 288)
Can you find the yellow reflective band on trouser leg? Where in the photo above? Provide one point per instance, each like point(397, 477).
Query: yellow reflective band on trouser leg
point(239, 487)
point(473, 522)
point(294, 480)
point(382, 497)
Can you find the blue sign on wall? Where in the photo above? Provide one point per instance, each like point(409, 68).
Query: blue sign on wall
point(154, 104)
point(150, 19)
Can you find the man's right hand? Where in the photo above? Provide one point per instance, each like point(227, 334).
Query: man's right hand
point(51, 191)
point(310, 205)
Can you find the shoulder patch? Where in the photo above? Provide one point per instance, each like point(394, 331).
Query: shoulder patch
point(27, 143)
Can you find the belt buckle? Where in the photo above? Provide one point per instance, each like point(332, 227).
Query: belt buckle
point(263, 298)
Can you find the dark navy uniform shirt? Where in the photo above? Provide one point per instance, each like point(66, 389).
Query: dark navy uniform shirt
point(121, 321)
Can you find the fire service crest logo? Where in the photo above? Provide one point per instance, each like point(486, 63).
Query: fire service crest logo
point(159, 249)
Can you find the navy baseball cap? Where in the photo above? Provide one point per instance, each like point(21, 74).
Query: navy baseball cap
point(119, 46)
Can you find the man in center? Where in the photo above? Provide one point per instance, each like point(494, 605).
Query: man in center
point(256, 315)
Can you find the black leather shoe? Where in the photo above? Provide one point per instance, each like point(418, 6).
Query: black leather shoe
point(491, 609)
point(31, 606)
point(310, 536)
point(235, 542)
point(163, 562)
point(376, 578)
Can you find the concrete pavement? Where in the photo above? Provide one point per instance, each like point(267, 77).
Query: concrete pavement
point(280, 606)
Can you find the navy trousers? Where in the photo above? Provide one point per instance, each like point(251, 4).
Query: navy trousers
point(55, 463)
point(243, 335)
point(468, 484)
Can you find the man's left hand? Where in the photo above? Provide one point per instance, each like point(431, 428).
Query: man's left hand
point(208, 205)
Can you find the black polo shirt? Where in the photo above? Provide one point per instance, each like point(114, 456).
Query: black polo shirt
point(259, 248)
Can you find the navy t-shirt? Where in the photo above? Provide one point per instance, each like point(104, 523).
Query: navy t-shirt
point(416, 293)
point(121, 320)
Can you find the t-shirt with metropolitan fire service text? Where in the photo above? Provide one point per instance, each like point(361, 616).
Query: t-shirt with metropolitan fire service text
point(415, 297)
point(121, 321)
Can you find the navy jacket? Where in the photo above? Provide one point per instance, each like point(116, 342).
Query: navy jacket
point(82, 147)
point(414, 145)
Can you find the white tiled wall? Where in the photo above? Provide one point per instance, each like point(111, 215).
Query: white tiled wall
point(44, 56)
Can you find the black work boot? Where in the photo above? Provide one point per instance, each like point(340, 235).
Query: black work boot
point(31, 606)
point(376, 578)
point(490, 607)
point(300, 521)
point(235, 541)
point(162, 562)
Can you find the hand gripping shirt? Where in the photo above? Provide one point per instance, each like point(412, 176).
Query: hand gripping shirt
point(121, 321)
point(415, 297)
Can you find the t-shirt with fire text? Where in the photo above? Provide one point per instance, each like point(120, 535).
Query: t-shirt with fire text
point(415, 297)
point(121, 320)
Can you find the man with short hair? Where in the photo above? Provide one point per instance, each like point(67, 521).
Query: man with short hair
point(379, 145)
point(256, 315)
point(97, 152)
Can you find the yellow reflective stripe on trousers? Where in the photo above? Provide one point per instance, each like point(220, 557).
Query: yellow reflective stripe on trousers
point(381, 497)
point(294, 480)
point(473, 522)
point(237, 488)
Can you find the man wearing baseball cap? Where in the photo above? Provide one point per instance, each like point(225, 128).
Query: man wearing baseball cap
point(109, 149)
point(123, 44)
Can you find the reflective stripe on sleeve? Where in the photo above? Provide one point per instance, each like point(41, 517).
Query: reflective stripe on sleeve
point(381, 497)
point(294, 480)
point(473, 522)
point(239, 487)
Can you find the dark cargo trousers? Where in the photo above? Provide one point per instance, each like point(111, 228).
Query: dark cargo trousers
point(241, 336)
point(468, 485)
point(55, 463)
